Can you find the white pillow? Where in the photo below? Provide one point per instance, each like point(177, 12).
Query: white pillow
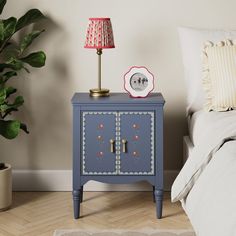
point(219, 75)
point(192, 42)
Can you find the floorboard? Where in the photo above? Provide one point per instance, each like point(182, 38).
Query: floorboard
point(40, 213)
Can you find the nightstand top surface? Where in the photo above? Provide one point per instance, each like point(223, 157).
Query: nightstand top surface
point(84, 98)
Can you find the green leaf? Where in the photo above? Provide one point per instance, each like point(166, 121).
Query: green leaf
point(28, 39)
point(2, 4)
point(14, 64)
point(19, 100)
point(1, 31)
point(9, 91)
point(9, 27)
point(30, 17)
point(24, 127)
point(9, 129)
point(8, 75)
point(35, 59)
point(2, 95)
point(8, 112)
point(4, 66)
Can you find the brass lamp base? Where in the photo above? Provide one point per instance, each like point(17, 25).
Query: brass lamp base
point(99, 92)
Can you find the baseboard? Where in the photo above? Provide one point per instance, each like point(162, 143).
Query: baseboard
point(61, 180)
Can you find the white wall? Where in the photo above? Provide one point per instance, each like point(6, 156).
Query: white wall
point(145, 34)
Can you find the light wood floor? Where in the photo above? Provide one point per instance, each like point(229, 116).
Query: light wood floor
point(40, 213)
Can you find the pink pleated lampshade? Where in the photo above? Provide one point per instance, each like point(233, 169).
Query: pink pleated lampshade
point(99, 34)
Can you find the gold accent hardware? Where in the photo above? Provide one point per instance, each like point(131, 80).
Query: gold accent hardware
point(99, 92)
point(124, 142)
point(112, 145)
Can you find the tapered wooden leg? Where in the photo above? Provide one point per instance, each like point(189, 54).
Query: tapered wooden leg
point(81, 194)
point(153, 193)
point(159, 202)
point(76, 199)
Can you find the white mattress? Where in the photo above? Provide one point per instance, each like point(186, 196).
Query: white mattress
point(203, 121)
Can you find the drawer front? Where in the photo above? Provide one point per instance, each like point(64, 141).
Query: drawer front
point(98, 129)
point(136, 143)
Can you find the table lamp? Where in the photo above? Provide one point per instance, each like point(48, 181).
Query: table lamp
point(99, 36)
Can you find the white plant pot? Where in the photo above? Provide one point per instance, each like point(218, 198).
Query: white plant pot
point(5, 188)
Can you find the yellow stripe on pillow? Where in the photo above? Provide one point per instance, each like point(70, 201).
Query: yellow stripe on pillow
point(219, 78)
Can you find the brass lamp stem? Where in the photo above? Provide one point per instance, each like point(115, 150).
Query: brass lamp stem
point(99, 52)
point(99, 92)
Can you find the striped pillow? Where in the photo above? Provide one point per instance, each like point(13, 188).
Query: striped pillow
point(219, 75)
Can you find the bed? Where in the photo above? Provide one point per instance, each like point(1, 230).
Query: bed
point(211, 202)
point(206, 185)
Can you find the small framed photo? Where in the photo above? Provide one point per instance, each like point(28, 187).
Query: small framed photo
point(138, 81)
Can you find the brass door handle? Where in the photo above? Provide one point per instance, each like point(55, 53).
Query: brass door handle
point(124, 145)
point(112, 142)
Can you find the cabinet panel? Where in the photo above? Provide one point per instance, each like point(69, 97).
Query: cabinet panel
point(137, 143)
point(117, 117)
point(98, 152)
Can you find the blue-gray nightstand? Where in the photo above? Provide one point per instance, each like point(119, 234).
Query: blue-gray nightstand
point(117, 139)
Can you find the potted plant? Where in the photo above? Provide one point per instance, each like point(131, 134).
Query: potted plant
point(13, 58)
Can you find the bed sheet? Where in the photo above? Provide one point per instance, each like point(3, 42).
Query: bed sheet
point(202, 122)
point(206, 185)
point(211, 203)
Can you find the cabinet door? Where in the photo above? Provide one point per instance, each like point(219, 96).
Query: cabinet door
point(98, 149)
point(137, 143)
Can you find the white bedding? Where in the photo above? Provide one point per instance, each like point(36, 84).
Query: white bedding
point(211, 204)
point(207, 183)
point(202, 122)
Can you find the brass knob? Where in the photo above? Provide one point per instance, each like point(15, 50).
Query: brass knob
point(124, 145)
point(112, 142)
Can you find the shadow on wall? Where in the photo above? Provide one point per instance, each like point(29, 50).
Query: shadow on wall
point(45, 110)
point(175, 127)
point(154, 51)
